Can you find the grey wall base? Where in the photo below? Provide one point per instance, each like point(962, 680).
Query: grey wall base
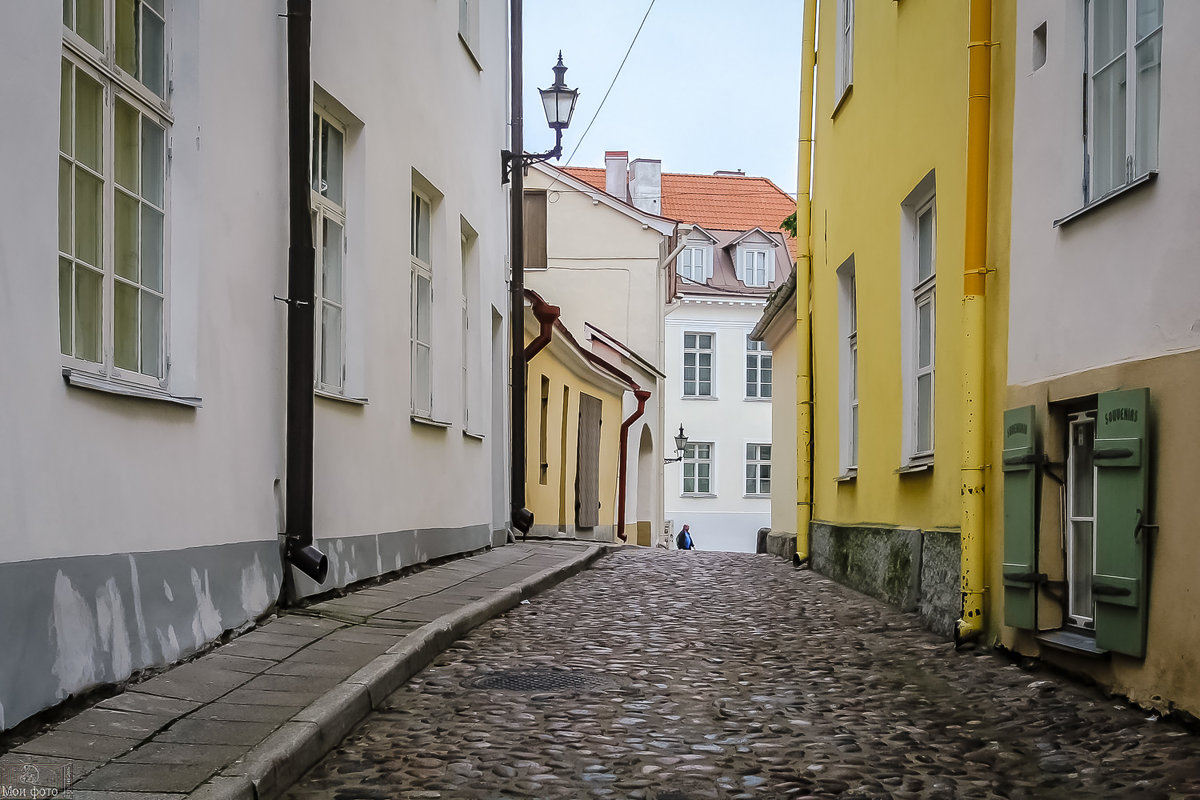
point(600, 533)
point(911, 569)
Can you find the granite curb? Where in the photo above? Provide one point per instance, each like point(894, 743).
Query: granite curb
point(270, 767)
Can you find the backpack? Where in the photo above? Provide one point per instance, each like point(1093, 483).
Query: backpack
point(683, 540)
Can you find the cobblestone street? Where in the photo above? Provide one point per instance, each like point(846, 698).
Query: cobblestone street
point(712, 675)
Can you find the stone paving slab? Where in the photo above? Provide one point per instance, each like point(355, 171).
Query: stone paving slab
point(247, 719)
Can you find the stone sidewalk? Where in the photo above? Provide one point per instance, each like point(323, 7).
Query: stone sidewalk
point(245, 720)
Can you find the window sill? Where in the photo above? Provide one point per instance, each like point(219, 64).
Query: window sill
point(849, 90)
point(474, 435)
point(340, 398)
point(698, 397)
point(847, 476)
point(756, 497)
point(430, 421)
point(922, 464)
point(696, 494)
point(757, 399)
point(97, 383)
point(1070, 642)
point(1120, 191)
point(470, 52)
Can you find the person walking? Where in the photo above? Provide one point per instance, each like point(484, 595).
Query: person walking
point(684, 540)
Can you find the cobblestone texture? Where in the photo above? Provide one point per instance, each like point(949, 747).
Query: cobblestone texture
point(734, 676)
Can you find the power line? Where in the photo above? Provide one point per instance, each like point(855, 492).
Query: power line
point(611, 85)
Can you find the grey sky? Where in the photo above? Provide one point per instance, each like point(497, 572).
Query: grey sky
point(710, 84)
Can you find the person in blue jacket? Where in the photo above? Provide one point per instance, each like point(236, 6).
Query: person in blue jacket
point(683, 541)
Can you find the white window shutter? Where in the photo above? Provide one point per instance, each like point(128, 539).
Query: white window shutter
point(740, 269)
point(770, 267)
point(708, 263)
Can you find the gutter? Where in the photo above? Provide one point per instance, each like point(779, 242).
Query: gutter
point(546, 315)
point(974, 375)
point(623, 465)
point(298, 528)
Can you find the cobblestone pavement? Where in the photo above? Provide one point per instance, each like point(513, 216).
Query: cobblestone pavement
point(711, 675)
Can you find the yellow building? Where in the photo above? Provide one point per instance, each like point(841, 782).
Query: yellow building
point(573, 429)
point(897, 349)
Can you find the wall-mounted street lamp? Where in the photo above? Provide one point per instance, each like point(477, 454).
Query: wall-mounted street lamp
point(680, 445)
point(559, 104)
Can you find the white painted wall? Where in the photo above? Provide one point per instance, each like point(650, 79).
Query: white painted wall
point(84, 474)
point(730, 520)
point(1118, 284)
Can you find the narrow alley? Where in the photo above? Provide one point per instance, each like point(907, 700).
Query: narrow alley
point(670, 675)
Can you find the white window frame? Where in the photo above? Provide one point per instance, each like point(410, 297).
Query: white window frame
point(1076, 516)
point(468, 28)
point(330, 294)
point(758, 361)
point(756, 267)
point(757, 469)
point(1132, 155)
point(421, 404)
point(693, 461)
point(472, 341)
point(844, 51)
point(100, 65)
point(693, 263)
point(915, 294)
point(848, 374)
point(697, 352)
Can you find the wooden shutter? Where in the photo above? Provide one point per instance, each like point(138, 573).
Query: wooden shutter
point(535, 230)
point(587, 467)
point(1020, 460)
point(1122, 507)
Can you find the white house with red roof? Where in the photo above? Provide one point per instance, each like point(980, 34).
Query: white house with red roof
point(718, 381)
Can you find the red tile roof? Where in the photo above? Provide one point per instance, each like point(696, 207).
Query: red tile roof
point(721, 202)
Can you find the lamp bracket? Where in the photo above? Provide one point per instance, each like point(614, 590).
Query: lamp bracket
point(507, 157)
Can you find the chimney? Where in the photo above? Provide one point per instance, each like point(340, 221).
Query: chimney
point(645, 185)
point(616, 168)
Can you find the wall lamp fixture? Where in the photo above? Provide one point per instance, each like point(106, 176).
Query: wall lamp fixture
point(681, 441)
point(559, 103)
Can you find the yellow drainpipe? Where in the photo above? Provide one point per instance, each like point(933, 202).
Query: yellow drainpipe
point(803, 274)
point(979, 80)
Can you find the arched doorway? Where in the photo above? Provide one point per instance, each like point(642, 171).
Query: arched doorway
point(645, 488)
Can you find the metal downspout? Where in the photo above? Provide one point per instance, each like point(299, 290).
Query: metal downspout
point(546, 315)
point(979, 79)
point(519, 515)
point(803, 277)
point(298, 544)
point(623, 466)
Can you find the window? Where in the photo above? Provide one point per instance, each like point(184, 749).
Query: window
point(468, 26)
point(1124, 73)
point(472, 343)
point(758, 370)
point(329, 225)
point(697, 468)
point(758, 469)
point(697, 364)
point(755, 267)
point(543, 438)
point(844, 76)
point(112, 209)
point(1081, 518)
point(848, 379)
point(923, 309)
point(536, 256)
point(692, 264)
point(422, 306)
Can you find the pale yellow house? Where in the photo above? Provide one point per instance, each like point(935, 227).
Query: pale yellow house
point(906, 399)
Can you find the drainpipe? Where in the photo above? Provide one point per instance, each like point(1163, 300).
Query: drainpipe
point(298, 547)
point(804, 403)
point(521, 517)
point(979, 78)
point(623, 466)
point(547, 315)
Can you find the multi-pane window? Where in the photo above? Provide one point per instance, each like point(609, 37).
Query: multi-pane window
point(758, 370)
point(112, 187)
point(844, 74)
point(697, 364)
point(755, 267)
point(852, 375)
point(1124, 71)
point(1081, 514)
point(923, 294)
point(422, 306)
point(758, 469)
point(329, 224)
point(697, 468)
point(691, 264)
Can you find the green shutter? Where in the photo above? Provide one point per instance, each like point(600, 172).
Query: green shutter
point(1122, 507)
point(1020, 460)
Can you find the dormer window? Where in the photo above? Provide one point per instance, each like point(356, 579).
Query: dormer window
point(692, 263)
point(755, 269)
